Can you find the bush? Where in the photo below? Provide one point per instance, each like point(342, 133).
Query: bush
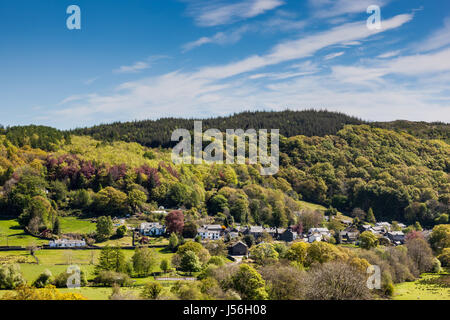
point(43, 279)
point(336, 281)
point(10, 276)
point(60, 280)
point(444, 257)
point(121, 231)
point(436, 268)
point(388, 289)
point(110, 278)
point(165, 265)
point(217, 260)
point(152, 290)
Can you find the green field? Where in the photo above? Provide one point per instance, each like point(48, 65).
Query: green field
point(312, 206)
point(12, 234)
point(422, 289)
point(57, 261)
point(76, 225)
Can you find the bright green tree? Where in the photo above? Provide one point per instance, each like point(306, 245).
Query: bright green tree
point(151, 290)
point(440, 237)
point(249, 283)
point(173, 241)
point(104, 228)
point(263, 251)
point(111, 259)
point(370, 216)
point(121, 231)
point(136, 198)
point(190, 262)
point(368, 240)
point(143, 261)
point(297, 252)
point(10, 276)
point(165, 265)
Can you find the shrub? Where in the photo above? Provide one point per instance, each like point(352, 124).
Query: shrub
point(151, 290)
point(43, 279)
point(110, 278)
point(121, 231)
point(10, 276)
point(444, 257)
point(217, 260)
point(60, 280)
point(336, 281)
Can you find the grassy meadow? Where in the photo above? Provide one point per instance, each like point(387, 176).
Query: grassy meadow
point(57, 262)
point(11, 234)
point(428, 287)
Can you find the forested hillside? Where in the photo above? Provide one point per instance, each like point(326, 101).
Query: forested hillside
point(358, 168)
point(157, 133)
point(400, 177)
point(424, 130)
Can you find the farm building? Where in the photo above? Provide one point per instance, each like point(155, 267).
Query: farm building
point(65, 243)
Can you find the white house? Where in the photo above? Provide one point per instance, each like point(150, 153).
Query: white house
point(210, 231)
point(159, 211)
point(65, 243)
point(385, 225)
point(324, 232)
point(152, 229)
point(378, 230)
point(314, 237)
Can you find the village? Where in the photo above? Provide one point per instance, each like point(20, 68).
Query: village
point(239, 238)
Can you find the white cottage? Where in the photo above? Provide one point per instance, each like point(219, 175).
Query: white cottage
point(152, 229)
point(65, 243)
point(210, 231)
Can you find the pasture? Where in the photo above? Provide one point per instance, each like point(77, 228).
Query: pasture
point(11, 234)
point(427, 287)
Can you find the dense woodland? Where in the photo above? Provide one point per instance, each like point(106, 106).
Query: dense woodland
point(155, 133)
point(337, 162)
point(158, 133)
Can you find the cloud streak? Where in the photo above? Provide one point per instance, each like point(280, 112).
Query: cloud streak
point(439, 39)
point(136, 67)
point(208, 13)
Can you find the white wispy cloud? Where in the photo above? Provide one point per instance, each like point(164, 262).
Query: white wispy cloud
point(389, 54)
point(91, 80)
point(136, 67)
point(334, 8)
point(301, 48)
point(209, 91)
point(220, 38)
point(438, 39)
point(281, 21)
point(140, 65)
point(213, 13)
point(422, 65)
point(334, 55)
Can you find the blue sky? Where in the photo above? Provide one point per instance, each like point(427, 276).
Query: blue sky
point(139, 59)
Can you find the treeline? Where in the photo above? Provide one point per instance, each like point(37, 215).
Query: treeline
point(423, 130)
point(155, 133)
point(41, 137)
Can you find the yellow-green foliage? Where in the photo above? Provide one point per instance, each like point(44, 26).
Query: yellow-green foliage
point(12, 156)
point(115, 153)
